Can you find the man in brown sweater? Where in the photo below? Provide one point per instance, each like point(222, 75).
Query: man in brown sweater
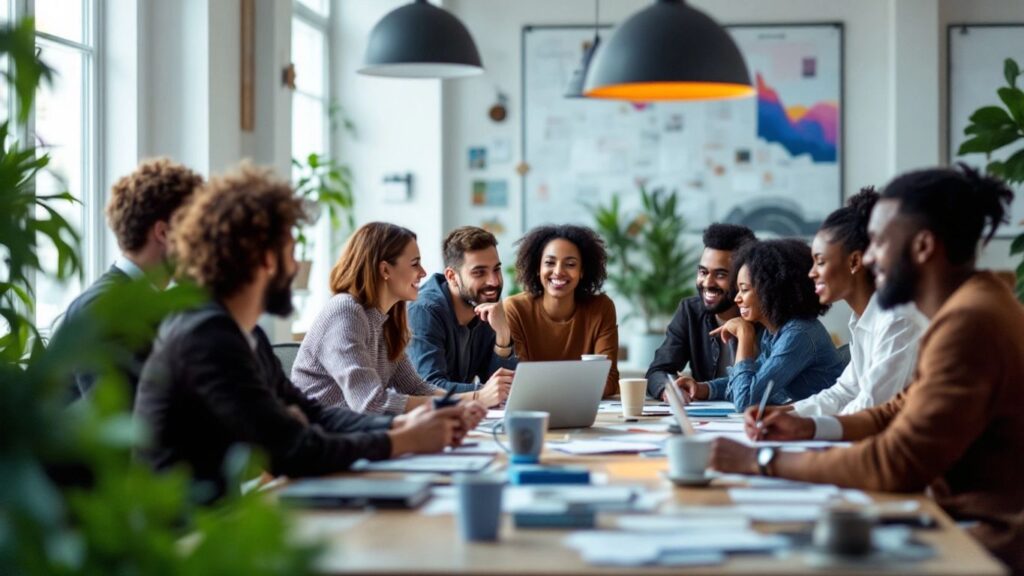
point(958, 429)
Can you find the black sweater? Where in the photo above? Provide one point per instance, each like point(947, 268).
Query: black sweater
point(205, 388)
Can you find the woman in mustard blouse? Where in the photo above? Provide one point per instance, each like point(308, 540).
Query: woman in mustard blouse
point(562, 312)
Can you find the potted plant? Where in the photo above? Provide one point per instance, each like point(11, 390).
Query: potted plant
point(648, 262)
point(326, 187)
point(994, 128)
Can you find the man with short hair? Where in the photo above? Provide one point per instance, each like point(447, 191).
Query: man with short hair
point(213, 381)
point(139, 213)
point(688, 339)
point(958, 428)
point(459, 331)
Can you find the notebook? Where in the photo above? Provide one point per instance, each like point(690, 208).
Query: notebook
point(355, 493)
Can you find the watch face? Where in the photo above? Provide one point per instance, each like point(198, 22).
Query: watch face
point(765, 455)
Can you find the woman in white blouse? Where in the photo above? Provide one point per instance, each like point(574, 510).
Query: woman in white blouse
point(883, 343)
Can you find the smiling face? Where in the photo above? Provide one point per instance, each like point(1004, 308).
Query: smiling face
point(833, 269)
point(479, 279)
point(746, 297)
point(713, 286)
point(402, 277)
point(889, 255)
point(560, 268)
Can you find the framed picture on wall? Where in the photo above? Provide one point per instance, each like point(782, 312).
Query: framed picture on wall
point(773, 162)
point(976, 53)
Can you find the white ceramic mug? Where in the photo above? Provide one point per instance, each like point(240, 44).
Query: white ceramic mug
point(688, 456)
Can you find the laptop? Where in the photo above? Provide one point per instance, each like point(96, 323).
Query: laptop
point(677, 404)
point(569, 391)
point(355, 493)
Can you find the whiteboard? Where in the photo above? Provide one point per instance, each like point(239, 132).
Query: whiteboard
point(773, 162)
point(976, 55)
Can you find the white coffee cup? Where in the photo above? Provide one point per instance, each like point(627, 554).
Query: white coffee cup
point(688, 456)
point(632, 391)
point(589, 357)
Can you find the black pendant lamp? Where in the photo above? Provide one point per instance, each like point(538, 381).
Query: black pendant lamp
point(579, 76)
point(669, 51)
point(420, 40)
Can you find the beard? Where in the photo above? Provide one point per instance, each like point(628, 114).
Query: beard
point(900, 282)
point(473, 297)
point(277, 300)
point(726, 302)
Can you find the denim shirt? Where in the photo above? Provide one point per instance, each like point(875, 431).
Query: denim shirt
point(434, 348)
point(800, 359)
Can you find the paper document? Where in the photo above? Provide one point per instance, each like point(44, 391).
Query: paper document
point(495, 414)
point(636, 437)
point(583, 447)
point(441, 463)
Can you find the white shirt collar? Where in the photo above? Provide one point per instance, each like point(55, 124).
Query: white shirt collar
point(128, 267)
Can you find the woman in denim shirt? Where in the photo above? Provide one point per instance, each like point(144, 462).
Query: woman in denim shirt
point(795, 351)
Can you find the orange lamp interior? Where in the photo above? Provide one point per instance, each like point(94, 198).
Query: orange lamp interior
point(654, 91)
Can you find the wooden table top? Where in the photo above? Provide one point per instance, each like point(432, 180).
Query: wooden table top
point(408, 542)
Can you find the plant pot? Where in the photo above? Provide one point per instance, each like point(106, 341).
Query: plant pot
point(301, 280)
point(642, 347)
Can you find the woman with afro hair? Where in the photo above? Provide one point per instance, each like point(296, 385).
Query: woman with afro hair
point(562, 312)
point(795, 352)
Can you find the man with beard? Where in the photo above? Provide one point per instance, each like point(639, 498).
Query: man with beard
point(139, 214)
point(688, 339)
point(459, 331)
point(958, 428)
point(213, 381)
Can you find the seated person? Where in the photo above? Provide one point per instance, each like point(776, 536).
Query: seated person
point(883, 343)
point(213, 381)
point(353, 355)
point(562, 313)
point(686, 340)
point(795, 351)
point(139, 214)
point(958, 428)
point(459, 331)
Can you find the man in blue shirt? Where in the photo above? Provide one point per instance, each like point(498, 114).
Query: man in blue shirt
point(459, 331)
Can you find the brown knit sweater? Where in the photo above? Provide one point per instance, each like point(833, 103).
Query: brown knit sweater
point(957, 429)
point(592, 329)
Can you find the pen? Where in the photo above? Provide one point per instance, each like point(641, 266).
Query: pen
point(760, 409)
point(446, 400)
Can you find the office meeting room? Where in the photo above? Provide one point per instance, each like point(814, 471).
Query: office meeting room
point(511, 287)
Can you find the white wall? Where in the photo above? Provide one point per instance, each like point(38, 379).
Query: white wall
point(398, 130)
point(894, 88)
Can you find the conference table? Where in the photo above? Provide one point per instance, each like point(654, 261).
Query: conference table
point(410, 542)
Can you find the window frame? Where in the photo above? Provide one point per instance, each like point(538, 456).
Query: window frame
point(324, 24)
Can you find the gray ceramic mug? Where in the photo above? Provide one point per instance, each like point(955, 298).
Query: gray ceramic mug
point(479, 497)
point(526, 430)
point(844, 532)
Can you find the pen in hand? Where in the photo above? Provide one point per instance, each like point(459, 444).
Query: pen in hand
point(446, 400)
point(760, 410)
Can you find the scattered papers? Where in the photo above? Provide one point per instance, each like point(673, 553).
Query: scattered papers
point(476, 448)
point(441, 463)
point(777, 496)
point(314, 527)
point(588, 447)
point(553, 498)
point(665, 523)
point(641, 438)
point(719, 426)
point(495, 414)
point(647, 548)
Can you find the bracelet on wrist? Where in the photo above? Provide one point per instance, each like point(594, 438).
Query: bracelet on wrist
point(505, 347)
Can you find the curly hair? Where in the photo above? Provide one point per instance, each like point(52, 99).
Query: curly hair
point(727, 237)
point(148, 195)
point(465, 239)
point(222, 235)
point(778, 274)
point(592, 253)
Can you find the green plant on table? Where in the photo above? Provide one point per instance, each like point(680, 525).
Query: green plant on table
point(648, 261)
point(994, 128)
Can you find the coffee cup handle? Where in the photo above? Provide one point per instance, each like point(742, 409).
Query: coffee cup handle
point(494, 433)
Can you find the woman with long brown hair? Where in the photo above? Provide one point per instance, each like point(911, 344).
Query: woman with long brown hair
point(354, 353)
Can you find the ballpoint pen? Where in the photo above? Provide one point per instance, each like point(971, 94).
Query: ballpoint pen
point(760, 409)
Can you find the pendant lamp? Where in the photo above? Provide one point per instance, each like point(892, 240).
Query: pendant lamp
point(579, 76)
point(420, 40)
point(669, 51)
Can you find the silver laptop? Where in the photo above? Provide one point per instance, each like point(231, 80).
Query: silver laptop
point(570, 391)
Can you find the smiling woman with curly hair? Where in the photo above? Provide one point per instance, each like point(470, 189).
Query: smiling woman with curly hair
point(795, 353)
point(563, 314)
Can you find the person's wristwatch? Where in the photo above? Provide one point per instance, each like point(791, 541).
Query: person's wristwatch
point(764, 459)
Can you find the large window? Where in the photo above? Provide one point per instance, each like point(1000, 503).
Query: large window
point(311, 134)
point(64, 126)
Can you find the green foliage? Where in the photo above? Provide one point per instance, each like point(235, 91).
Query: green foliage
point(18, 41)
point(117, 517)
point(995, 127)
point(648, 261)
point(326, 184)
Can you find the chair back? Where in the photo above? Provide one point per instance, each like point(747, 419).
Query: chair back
point(286, 353)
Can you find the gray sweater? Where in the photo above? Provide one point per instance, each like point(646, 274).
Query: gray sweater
point(343, 361)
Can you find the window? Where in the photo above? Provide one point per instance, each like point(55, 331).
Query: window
point(311, 135)
point(63, 124)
